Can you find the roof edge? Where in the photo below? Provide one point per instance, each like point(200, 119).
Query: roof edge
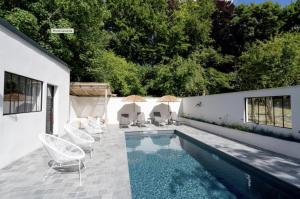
point(27, 39)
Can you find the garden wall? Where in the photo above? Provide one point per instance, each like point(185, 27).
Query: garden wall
point(230, 108)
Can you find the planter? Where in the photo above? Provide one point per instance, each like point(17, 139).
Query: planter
point(283, 147)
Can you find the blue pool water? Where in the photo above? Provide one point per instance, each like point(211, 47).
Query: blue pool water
point(169, 166)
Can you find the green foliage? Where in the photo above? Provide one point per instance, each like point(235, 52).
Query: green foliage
point(146, 33)
point(218, 82)
point(159, 47)
point(291, 17)
point(181, 77)
point(209, 57)
point(35, 18)
point(24, 21)
point(271, 63)
point(139, 29)
point(248, 24)
point(123, 76)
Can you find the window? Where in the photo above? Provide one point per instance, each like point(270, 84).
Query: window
point(21, 94)
point(274, 111)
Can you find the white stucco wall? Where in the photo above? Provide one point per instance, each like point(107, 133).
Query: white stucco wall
point(230, 107)
point(19, 132)
point(82, 107)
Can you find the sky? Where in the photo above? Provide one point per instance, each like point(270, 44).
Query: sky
point(282, 2)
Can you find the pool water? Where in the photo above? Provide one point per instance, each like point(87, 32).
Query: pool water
point(169, 166)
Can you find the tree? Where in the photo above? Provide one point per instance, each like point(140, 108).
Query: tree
point(291, 17)
point(218, 82)
point(124, 77)
point(269, 64)
point(209, 57)
point(147, 32)
point(139, 29)
point(181, 77)
point(35, 18)
point(24, 21)
point(248, 24)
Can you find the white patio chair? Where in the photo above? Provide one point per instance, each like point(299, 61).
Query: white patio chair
point(96, 124)
point(64, 153)
point(80, 138)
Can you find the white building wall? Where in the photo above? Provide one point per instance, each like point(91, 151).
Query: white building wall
point(82, 107)
point(19, 132)
point(229, 108)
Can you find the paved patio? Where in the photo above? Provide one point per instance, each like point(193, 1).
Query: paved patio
point(106, 174)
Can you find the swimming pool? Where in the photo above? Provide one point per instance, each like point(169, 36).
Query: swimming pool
point(170, 165)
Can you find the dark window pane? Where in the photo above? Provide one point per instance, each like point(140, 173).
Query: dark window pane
point(255, 102)
point(269, 111)
point(21, 107)
point(21, 94)
point(7, 92)
point(14, 95)
point(39, 96)
point(28, 95)
point(287, 111)
point(262, 111)
point(34, 95)
point(250, 110)
point(278, 113)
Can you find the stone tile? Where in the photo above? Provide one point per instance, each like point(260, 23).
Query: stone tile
point(24, 178)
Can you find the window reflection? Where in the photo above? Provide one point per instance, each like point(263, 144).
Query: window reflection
point(287, 111)
point(275, 111)
point(21, 94)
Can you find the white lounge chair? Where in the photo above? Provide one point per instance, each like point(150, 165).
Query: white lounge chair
point(80, 138)
point(95, 123)
point(64, 153)
point(98, 127)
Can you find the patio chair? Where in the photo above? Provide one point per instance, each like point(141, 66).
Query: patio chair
point(93, 127)
point(80, 138)
point(158, 120)
point(94, 132)
point(95, 123)
point(64, 153)
point(141, 121)
point(124, 120)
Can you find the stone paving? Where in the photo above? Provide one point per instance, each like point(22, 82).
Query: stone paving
point(106, 174)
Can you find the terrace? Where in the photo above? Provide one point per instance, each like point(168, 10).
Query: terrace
point(107, 176)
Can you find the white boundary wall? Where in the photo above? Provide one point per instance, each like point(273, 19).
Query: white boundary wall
point(81, 107)
point(19, 132)
point(229, 108)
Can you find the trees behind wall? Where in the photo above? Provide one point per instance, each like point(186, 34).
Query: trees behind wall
point(159, 47)
point(272, 63)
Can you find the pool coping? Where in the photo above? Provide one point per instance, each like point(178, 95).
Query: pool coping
point(262, 162)
point(289, 188)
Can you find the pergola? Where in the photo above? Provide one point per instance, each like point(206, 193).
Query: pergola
point(91, 89)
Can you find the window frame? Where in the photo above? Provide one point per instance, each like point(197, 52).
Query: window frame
point(25, 90)
point(265, 98)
